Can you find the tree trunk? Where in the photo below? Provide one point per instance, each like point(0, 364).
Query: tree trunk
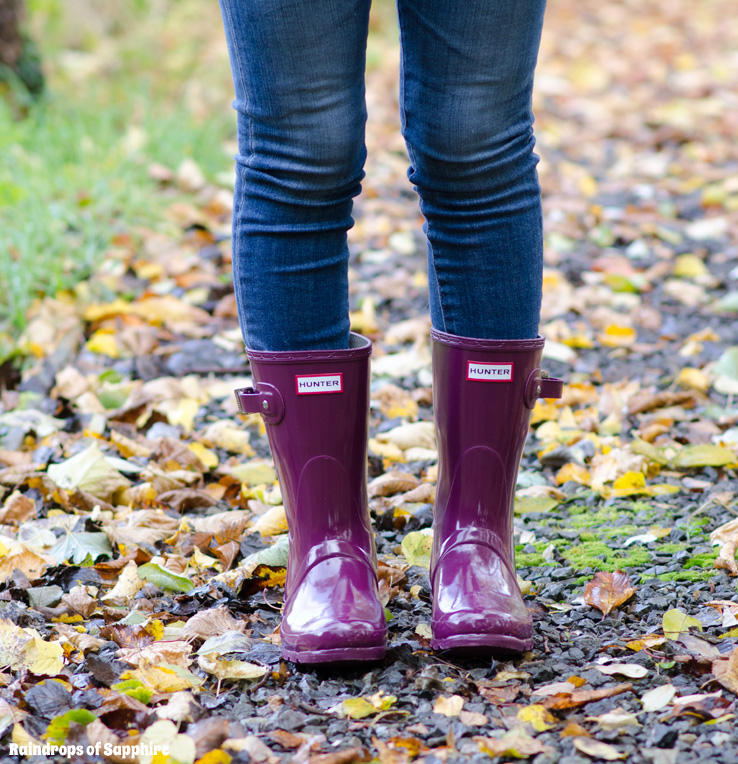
point(11, 42)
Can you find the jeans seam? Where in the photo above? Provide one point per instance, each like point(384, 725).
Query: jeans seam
point(241, 76)
point(411, 151)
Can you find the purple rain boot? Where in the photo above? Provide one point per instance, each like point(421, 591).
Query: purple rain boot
point(483, 393)
point(315, 404)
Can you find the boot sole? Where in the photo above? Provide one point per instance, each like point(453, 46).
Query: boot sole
point(482, 644)
point(336, 655)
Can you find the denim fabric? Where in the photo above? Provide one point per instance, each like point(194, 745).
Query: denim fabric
point(466, 81)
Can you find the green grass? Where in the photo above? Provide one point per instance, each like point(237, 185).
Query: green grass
point(71, 181)
point(74, 172)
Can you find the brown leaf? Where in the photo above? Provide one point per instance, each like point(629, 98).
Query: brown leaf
point(726, 671)
point(17, 509)
point(727, 535)
point(582, 697)
point(347, 756)
point(185, 499)
point(606, 591)
point(392, 482)
point(175, 653)
point(500, 695)
point(79, 601)
point(211, 623)
point(647, 401)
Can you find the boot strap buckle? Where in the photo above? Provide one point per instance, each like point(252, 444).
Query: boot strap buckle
point(541, 385)
point(264, 399)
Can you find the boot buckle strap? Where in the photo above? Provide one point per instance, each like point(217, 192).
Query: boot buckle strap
point(541, 385)
point(264, 399)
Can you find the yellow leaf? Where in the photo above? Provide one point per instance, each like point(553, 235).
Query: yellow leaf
point(225, 669)
point(357, 708)
point(629, 484)
point(676, 622)
point(574, 472)
point(693, 378)
point(702, 455)
point(448, 705)
point(364, 321)
point(544, 411)
point(416, 547)
point(616, 336)
point(650, 640)
point(205, 455)
point(164, 678)
point(689, 267)
point(271, 523)
point(254, 472)
point(540, 718)
point(104, 342)
point(218, 756)
point(388, 451)
point(182, 411)
point(43, 657)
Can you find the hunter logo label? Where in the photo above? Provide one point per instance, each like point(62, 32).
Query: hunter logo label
point(489, 372)
point(319, 383)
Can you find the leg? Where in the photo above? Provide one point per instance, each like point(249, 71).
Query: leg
point(466, 111)
point(298, 72)
point(468, 75)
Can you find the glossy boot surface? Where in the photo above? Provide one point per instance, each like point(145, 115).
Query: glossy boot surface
point(483, 393)
point(315, 405)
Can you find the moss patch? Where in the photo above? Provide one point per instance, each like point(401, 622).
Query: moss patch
point(691, 576)
point(704, 560)
point(598, 555)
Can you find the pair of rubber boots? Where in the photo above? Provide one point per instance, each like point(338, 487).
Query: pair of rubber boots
point(315, 405)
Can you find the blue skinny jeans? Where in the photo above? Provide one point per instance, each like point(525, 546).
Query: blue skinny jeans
point(465, 98)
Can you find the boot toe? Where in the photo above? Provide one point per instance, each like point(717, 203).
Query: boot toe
point(477, 602)
point(335, 608)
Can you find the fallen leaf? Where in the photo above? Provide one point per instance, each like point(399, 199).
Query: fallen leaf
point(598, 750)
point(727, 536)
point(582, 697)
point(537, 716)
point(606, 591)
point(676, 622)
point(615, 719)
point(515, 743)
point(448, 705)
point(658, 698)
point(90, 471)
point(392, 482)
point(631, 670)
point(726, 671)
point(416, 434)
point(416, 547)
point(225, 669)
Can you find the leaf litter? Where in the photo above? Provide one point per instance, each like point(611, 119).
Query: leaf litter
point(142, 533)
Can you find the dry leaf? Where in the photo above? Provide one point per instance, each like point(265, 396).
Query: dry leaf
point(598, 750)
point(658, 698)
point(727, 536)
point(515, 743)
point(582, 697)
point(606, 591)
point(726, 671)
point(211, 623)
point(448, 705)
point(392, 482)
point(631, 670)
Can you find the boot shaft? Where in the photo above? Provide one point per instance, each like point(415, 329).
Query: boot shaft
point(316, 412)
point(483, 393)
